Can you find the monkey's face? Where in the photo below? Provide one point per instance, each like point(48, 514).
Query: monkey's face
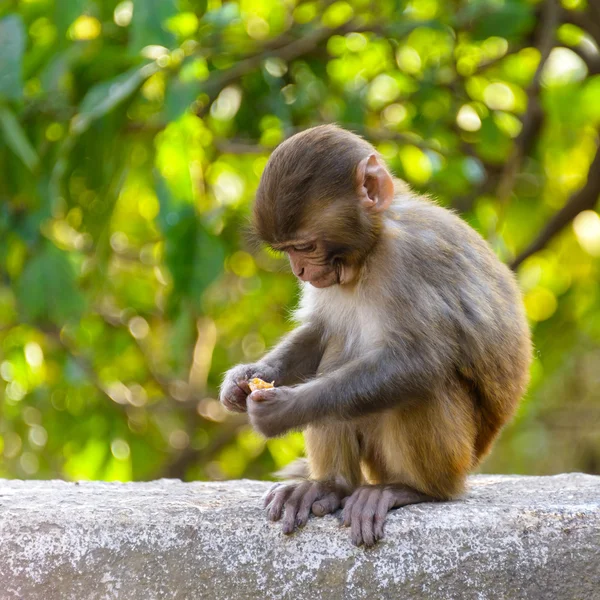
point(316, 263)
point(320, 199)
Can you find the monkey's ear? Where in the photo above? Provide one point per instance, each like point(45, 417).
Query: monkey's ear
point(375, 184)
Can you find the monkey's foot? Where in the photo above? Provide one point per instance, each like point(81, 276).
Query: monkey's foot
point(366, 509)
point(293, 502)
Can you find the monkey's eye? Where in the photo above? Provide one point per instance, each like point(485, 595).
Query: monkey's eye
point(304, 248)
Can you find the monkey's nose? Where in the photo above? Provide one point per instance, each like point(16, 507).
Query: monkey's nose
point(300, 272)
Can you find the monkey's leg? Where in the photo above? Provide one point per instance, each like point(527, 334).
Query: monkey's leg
point(366, 509)
point(419, 455)
point(333, 456)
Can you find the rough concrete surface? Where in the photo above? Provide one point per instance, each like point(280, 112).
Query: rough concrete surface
point(510, 537)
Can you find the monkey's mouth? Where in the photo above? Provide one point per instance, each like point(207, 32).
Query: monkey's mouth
point(327, 279)
point(336, 273)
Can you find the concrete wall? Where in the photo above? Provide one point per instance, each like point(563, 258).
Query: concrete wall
point(510, 537)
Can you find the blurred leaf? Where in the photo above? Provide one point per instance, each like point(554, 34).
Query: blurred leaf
point(179, 97)
point(15, 138)
point(222, 15)
point(12, 45)
point(193, 256)
point(105, 96)
point(508, 19)
point(65, 12)
point(149, 24)
point(47, 290)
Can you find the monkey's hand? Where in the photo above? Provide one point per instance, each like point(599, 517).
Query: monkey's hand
point(274, 411)
point(235, 389)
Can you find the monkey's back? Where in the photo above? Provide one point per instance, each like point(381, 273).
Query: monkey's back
point(451, 286)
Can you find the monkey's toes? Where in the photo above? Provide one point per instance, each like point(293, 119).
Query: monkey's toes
point(365, 512)
point(275, 500)
point(293, 502)
point(328, 504)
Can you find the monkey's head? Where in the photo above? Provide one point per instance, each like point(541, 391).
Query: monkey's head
point(320, 200)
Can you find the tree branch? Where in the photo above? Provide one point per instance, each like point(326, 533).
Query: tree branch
point(178, 467)
point(165, 383)
point(533, 117)
point(287, 52)
point(585, 199)
point(83, 363)
point(241, 146)
point(592, 61)
point(585, 20)
point(290, 50)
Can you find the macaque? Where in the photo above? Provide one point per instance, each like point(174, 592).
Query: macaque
point(413, 349)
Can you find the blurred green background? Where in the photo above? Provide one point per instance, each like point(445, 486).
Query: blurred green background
point(132, 139)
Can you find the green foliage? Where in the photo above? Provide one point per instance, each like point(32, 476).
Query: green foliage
point(16, 140)
point(193, 256)
point(132, 138)
point(12, 46)
point(149, 24)
point(46, 291)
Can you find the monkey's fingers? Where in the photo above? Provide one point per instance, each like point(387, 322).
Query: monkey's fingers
point(271, 494)
point(316, 491)
point(367, 518)
point(348, 503)
point(292, 505)
point(243, 385)
point(276, 503)
point(385, 503)
point(394, 497)
point(356, 516)
point(261, 395)
point(327, 505)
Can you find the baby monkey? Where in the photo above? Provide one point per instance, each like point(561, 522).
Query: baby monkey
point(413, 349)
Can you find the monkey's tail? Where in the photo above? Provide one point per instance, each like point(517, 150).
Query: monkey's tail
point(297, 469)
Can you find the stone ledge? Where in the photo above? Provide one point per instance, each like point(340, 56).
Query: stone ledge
point(510, 537)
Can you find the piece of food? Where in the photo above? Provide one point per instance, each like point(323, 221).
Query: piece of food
point(259, 384)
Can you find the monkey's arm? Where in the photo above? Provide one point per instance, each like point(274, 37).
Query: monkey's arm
point(297, 356)
point(377, 381)
point(294, 359)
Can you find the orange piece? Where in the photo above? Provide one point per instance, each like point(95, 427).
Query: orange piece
point(259, 384)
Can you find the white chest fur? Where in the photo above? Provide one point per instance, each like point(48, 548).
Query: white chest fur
point(347, 316)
